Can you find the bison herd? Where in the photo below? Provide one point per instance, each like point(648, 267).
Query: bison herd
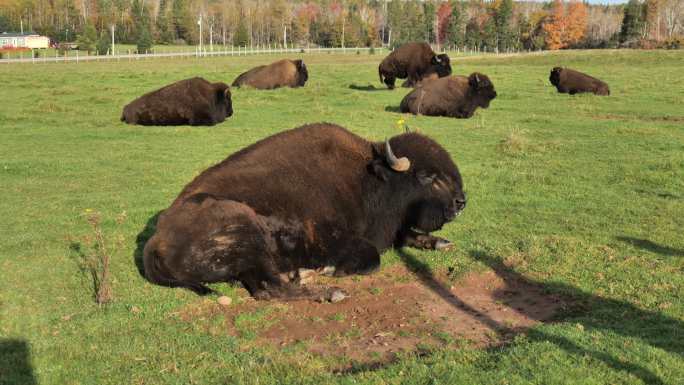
point(317, 197)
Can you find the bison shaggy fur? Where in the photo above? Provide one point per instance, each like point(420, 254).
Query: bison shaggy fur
point(193, 101)
point(568, 81)
point(311, 197)
point(413, 61)
point(454, 96)
point(283, 73)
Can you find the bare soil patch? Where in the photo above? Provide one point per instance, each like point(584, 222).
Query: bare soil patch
point(389, 312)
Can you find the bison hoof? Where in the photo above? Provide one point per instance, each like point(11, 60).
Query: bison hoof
point(443, 244)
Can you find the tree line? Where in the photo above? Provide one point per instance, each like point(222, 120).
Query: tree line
point(498, 25)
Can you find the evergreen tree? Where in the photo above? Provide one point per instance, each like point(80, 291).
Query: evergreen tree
point(429, 21)
point(104, 43)
point(473, 35)
point(502, 19)
point(183, 22)
point(163, 24)
point(455, 34)
point(144, 42)
point(241, 35)
point(87, 39)
point(634, 21)
point(489, 34)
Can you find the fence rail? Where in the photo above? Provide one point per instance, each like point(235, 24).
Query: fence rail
point(237, 51)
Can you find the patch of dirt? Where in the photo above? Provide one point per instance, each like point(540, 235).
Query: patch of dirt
point(389, 312)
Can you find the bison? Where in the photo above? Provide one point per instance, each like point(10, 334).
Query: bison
point(412, 61)
point(571, 82)
point(313, 197)
point(454, 96)
point(283, 73)
point(191, 101)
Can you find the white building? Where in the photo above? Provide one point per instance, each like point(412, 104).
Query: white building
point(18, 40)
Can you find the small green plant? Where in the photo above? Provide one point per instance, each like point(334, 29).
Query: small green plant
point(376, 290)
point(339, 317)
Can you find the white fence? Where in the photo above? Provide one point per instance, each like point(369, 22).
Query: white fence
point(236, 51)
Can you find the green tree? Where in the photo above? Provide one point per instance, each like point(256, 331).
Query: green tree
point(473, 35)
point(104, 43)
point(489, 34)
point(87, 39)
point(144, 41)
point(503, 12)
point(429, 21)
point(455, 34)
point(241, 35)
point(634, 21)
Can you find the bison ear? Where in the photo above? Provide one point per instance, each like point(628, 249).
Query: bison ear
point(474, 80)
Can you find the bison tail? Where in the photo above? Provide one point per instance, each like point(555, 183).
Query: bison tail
point(157, 272)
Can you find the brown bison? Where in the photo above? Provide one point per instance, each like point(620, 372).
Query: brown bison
point(195, 102)
point(454, 96)
point(313, 197)
point(571, 82)
point(412, 61)
point(283, 73)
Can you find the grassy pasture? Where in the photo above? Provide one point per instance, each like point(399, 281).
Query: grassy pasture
point(583, 195)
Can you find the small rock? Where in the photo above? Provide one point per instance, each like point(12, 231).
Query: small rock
point(224, 300)
point(328, 270)
point(135, 309)
point(337, 296)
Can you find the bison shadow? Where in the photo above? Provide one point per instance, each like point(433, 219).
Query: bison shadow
point(395, 109)
point(15, 363)
point(591, 311)
point(652, 246)
point(369, 87)
point(141, 239)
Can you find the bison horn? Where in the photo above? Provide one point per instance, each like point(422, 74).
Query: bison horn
point(401, 164)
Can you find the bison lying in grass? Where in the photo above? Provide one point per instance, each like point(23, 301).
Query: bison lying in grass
point(413, 61)
point(192, 101)
point(572, 82)
point(283, 73)
point(313, 197)
point(455, 96)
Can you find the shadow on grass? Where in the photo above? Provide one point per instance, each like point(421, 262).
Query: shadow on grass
point(141, 239)
point(652, 246)
point(15, 363)
point(369, 87)
point(619, 317)
point(393, 109)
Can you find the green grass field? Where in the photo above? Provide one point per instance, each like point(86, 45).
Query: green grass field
point(582, 195)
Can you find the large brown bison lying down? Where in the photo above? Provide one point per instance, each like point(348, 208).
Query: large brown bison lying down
point(192, 101)
point(313, 197)
point(571, 82)
point(454, 96)
point(413, 61)
point(283, 73)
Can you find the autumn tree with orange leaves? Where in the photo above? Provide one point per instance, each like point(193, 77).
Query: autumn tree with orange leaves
point(565, 25)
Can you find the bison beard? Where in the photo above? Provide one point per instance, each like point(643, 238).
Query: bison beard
point(191, 101)
point(311, 197)
point(568, 81)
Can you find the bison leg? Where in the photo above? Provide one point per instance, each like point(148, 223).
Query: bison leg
point(358, 256)
point(425, 241)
